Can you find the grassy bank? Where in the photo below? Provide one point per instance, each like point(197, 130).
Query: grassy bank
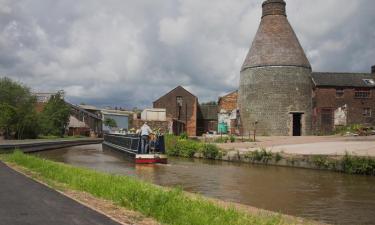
point(168, 206)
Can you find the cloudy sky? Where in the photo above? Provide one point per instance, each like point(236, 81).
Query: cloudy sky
point(128, 53)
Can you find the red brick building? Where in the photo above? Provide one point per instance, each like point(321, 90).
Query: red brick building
point(228, 112)
point(228, 102)
point(181, 107)
point(341, 99)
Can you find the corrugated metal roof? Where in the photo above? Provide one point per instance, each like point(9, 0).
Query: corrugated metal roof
point(343, 79)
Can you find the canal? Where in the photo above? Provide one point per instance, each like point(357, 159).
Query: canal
point(319, 195)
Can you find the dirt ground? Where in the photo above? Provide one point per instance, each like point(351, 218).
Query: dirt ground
point(309, 145)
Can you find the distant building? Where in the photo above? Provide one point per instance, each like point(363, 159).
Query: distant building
point(123, 118)
point(181, 108)
point(42, 98)
point(280, 95)
point(228, 113)
point(340, 99)
point(207, 118)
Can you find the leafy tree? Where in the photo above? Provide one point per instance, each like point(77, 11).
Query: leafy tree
point(109, 122)
point(18, 117)
point(54, 118)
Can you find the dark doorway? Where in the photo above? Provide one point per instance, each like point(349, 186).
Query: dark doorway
point(297, 124)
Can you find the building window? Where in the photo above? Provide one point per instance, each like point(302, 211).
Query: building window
point(366, 112)
point(179, 101)
point(362, 93)
point(339, 92)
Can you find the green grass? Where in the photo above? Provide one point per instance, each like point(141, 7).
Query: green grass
point(168, 206)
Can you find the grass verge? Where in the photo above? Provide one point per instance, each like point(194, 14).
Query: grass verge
point(168, 206)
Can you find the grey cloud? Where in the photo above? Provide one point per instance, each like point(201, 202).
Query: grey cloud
point(128, 53)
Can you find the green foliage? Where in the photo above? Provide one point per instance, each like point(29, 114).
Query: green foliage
point(175, 146)
point(210, 151)
point(55, 117)
point(184, 136)
point(259, 156)
point(358, 165)
point(232, 138)
point(324, 162)
point(168, 206)
point(109, 122)
point(187, 148)
point(222, 139)
point(18, 118)
point(278, 157)
point(354, 128)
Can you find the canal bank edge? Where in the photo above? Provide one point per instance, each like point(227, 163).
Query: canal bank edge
point(351, 164)
point(42, 145)
point(254, 213)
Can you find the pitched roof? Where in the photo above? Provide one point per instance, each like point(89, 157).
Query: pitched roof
point(174, 89)
point(343, 79)
point(208, 112)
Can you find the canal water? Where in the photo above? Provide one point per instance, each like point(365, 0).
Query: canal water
point(319, 195)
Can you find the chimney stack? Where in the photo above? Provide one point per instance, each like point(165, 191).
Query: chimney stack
point(273, 7)
point(373, 69)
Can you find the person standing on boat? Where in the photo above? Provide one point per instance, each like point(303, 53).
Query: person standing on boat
point(145, 132)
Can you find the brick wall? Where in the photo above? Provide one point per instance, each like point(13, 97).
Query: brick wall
point(154, 125)
point(228, 102)
point(187, 113)
point(326, 99)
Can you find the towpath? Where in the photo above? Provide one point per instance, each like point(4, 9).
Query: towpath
point(24, 201)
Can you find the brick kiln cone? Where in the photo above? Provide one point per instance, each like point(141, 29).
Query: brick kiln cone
point(275, 43)
point(275, 85)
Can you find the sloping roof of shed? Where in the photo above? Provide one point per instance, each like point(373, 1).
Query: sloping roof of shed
point(342, 79)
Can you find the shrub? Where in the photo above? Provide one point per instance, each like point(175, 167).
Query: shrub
point(260, 156)
point(232, 138)
point(210, 151)
point(278, 157)
point(184, 136)
point(358, 165)
point(187, 148)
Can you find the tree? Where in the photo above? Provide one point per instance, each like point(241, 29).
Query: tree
point(18, 117)
point(109, 122)
point(55, 116)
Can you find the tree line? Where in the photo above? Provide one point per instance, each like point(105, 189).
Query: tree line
point(19, 118)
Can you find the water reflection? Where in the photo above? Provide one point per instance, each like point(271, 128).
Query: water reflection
point(319, 195)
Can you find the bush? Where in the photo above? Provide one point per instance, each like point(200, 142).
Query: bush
point(358, 165)
point(184, 136)
point(187, 148)
point(210, 151)
point(260, 156)
point(232, 138)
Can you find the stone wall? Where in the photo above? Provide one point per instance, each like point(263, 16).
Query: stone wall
point(270, 94)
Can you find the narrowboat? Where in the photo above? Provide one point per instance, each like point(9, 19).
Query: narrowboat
point(130, 145)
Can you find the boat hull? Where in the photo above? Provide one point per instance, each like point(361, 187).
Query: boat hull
point(151, 158)
point(129, 146)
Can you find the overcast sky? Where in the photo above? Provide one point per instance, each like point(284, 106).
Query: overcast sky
point(128, 53)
